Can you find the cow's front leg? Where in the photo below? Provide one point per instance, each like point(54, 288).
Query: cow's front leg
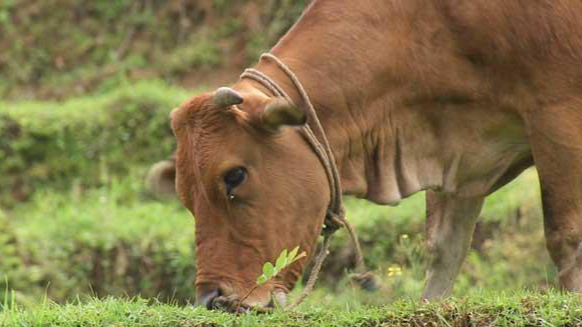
point(449, 229)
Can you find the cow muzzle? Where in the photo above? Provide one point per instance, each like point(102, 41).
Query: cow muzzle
point(206, 295)
point(214, 298)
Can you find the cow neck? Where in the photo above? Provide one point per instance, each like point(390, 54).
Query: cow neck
point(356, 72)
point(318, 140)
point(335, 217)
point(348, 133)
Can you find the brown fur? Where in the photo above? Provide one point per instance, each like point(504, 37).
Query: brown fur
point(453, 96)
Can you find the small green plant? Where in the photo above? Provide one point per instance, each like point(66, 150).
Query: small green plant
point(284, 260)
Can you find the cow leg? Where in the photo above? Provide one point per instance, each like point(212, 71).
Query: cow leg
point(449, 229)
point(556, 139)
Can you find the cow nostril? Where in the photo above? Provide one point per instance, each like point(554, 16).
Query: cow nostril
point(206, 297)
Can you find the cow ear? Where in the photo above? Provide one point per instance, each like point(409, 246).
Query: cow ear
point(160, 180)
point(280, 112)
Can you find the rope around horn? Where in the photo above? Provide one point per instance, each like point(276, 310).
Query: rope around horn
point(336, 217)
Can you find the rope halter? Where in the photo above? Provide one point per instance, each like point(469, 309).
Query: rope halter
point(336, 215)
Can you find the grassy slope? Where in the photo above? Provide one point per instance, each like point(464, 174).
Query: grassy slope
point(57, 48)
point(516, 309)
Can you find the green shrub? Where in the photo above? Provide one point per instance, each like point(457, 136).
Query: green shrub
point(85, 140)
point(104, 242)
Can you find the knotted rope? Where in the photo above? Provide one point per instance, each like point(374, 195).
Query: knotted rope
point(335, 217)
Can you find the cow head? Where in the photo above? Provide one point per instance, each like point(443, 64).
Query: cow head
point(254, 186)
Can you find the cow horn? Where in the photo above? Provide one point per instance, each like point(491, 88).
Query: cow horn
point(226, 97)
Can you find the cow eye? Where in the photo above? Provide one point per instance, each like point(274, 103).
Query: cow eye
point(234, 178)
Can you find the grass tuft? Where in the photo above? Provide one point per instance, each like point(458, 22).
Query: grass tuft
point(521, 308)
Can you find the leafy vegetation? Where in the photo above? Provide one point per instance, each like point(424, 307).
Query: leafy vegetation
point(284, 260)
point(100, 136)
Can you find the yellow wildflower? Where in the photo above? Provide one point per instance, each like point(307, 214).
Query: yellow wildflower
point(394, 271)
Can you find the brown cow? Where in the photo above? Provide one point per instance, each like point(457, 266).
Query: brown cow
point(449, 96)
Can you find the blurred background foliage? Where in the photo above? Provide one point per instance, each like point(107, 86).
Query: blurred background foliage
point(56, 49)
point(85, 92)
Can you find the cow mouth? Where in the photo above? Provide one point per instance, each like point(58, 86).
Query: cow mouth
point(233, 304)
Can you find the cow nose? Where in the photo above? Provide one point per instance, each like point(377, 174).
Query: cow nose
point(206, 296)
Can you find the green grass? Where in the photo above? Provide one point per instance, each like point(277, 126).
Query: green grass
point(486, 309)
